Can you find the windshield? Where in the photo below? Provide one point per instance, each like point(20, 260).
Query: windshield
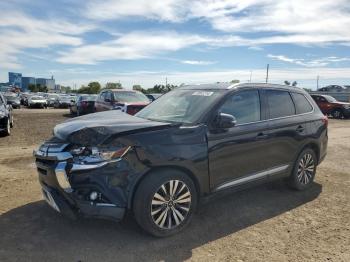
point(183, 106)
point(130, 97)
point(37, 98)
point(88, 98)
point(11, 98)
point(330, 99)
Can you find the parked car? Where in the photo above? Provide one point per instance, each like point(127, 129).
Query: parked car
point(6, 117)
point(190, 143)
point(37, 101)
point(127, 101)
point(51, 99)
point(330, 106)
point(85, 104)
point(153, 97)
point(13, 100)
point(63, 102)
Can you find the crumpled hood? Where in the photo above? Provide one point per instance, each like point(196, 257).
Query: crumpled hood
point(95, 128)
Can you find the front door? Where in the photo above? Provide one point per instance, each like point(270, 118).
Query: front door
point(238, 154)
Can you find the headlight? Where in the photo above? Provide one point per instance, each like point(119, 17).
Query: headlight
point(96, 154)
point(346, 106)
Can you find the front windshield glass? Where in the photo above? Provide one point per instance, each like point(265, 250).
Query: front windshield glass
point(182, 106)
point(37, 98)
point(88, 98)
point(130, 97)
point(330, 99)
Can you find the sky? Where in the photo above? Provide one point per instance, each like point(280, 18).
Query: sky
point(186, 41)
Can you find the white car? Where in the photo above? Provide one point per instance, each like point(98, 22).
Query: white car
point(37, 101)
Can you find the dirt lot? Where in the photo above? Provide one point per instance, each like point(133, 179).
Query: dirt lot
point(266, 223)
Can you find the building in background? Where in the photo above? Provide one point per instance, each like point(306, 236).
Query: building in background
point(15, 79)
point(49, 83)
point(26, 82)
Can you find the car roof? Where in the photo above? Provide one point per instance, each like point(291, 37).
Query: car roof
point(230, 86)
point(120, 90)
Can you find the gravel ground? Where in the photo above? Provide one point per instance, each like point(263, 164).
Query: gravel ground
point(265, 223)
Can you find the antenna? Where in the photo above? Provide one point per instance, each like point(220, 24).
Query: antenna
point(267, 73)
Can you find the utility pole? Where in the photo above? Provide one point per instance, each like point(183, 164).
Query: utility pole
point(318, 80)
point(267, 73)
point(166, 82)
point(250, 78)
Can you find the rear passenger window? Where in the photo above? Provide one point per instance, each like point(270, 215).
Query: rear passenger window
point(301, 103)
point(244, 106)
point(280, 103)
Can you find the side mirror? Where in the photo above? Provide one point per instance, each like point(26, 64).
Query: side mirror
point(225, 121)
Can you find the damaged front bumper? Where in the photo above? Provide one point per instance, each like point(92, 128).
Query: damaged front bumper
point(76, 189)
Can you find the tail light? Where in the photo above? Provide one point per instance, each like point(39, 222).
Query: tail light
point(325, 120)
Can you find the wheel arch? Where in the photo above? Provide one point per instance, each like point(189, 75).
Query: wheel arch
point(162, 169)
point(315, 147)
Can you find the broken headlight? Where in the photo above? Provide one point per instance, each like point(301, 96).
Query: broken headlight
point(98, 154)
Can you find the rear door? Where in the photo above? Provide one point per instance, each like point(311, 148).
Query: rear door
point(286, 128)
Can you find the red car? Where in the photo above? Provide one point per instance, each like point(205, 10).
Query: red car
point(330, 106)
point(127, 101)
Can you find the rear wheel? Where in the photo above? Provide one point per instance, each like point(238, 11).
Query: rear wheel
point(304, 170)
point(337, 113)
point(164, 202)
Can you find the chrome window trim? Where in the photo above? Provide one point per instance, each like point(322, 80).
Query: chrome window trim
point(272, 171)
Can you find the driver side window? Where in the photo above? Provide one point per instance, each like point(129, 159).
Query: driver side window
point(244, 106)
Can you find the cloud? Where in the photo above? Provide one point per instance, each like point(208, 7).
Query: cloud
point(309, 63)
point(131, 46)
point(282, 21)
point(165, 10)
point(19, 32)
point(198, 62)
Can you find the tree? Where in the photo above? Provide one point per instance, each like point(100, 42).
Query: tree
point(235, 81)
point(91, 88)
point(114, 86)
point(37, 88)
point(66, 89)
point(137, 88)
point(294, 83)
point(287, 82)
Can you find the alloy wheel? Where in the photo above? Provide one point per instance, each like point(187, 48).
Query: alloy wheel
point(171, 204)
point(306, 169)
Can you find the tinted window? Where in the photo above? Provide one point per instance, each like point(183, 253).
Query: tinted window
point(301, 103)
point(244, 106)
point(280, 103)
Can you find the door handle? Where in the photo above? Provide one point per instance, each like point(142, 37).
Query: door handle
point(261, 136)
point(300, 129)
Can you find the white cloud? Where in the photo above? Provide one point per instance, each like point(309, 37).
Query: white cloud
point(289, 21)
point(198, 62)
point(166, 10)
point(19, 31)
point(319, 62)
point(131, 46)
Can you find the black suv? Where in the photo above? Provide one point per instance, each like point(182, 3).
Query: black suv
point(186, 145)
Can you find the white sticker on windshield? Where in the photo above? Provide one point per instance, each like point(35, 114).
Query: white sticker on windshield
point(202, 93)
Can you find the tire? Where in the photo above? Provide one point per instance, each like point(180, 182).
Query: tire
point(157, 212)
point(337, 114)
point(304, 170)
point(7, 131)
point(12, 122)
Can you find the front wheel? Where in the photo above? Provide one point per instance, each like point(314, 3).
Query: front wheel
point(337, 113)
point(304, 170)
point(8, 127)
point(165, 202)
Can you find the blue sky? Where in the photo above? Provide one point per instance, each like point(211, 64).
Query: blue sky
point(198, 41)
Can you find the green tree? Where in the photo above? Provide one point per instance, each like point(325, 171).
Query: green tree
point(235, 81)
point(91, 88)
point(294, 83)
point(287, 83)
point(137, 88)
point(114, 86)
